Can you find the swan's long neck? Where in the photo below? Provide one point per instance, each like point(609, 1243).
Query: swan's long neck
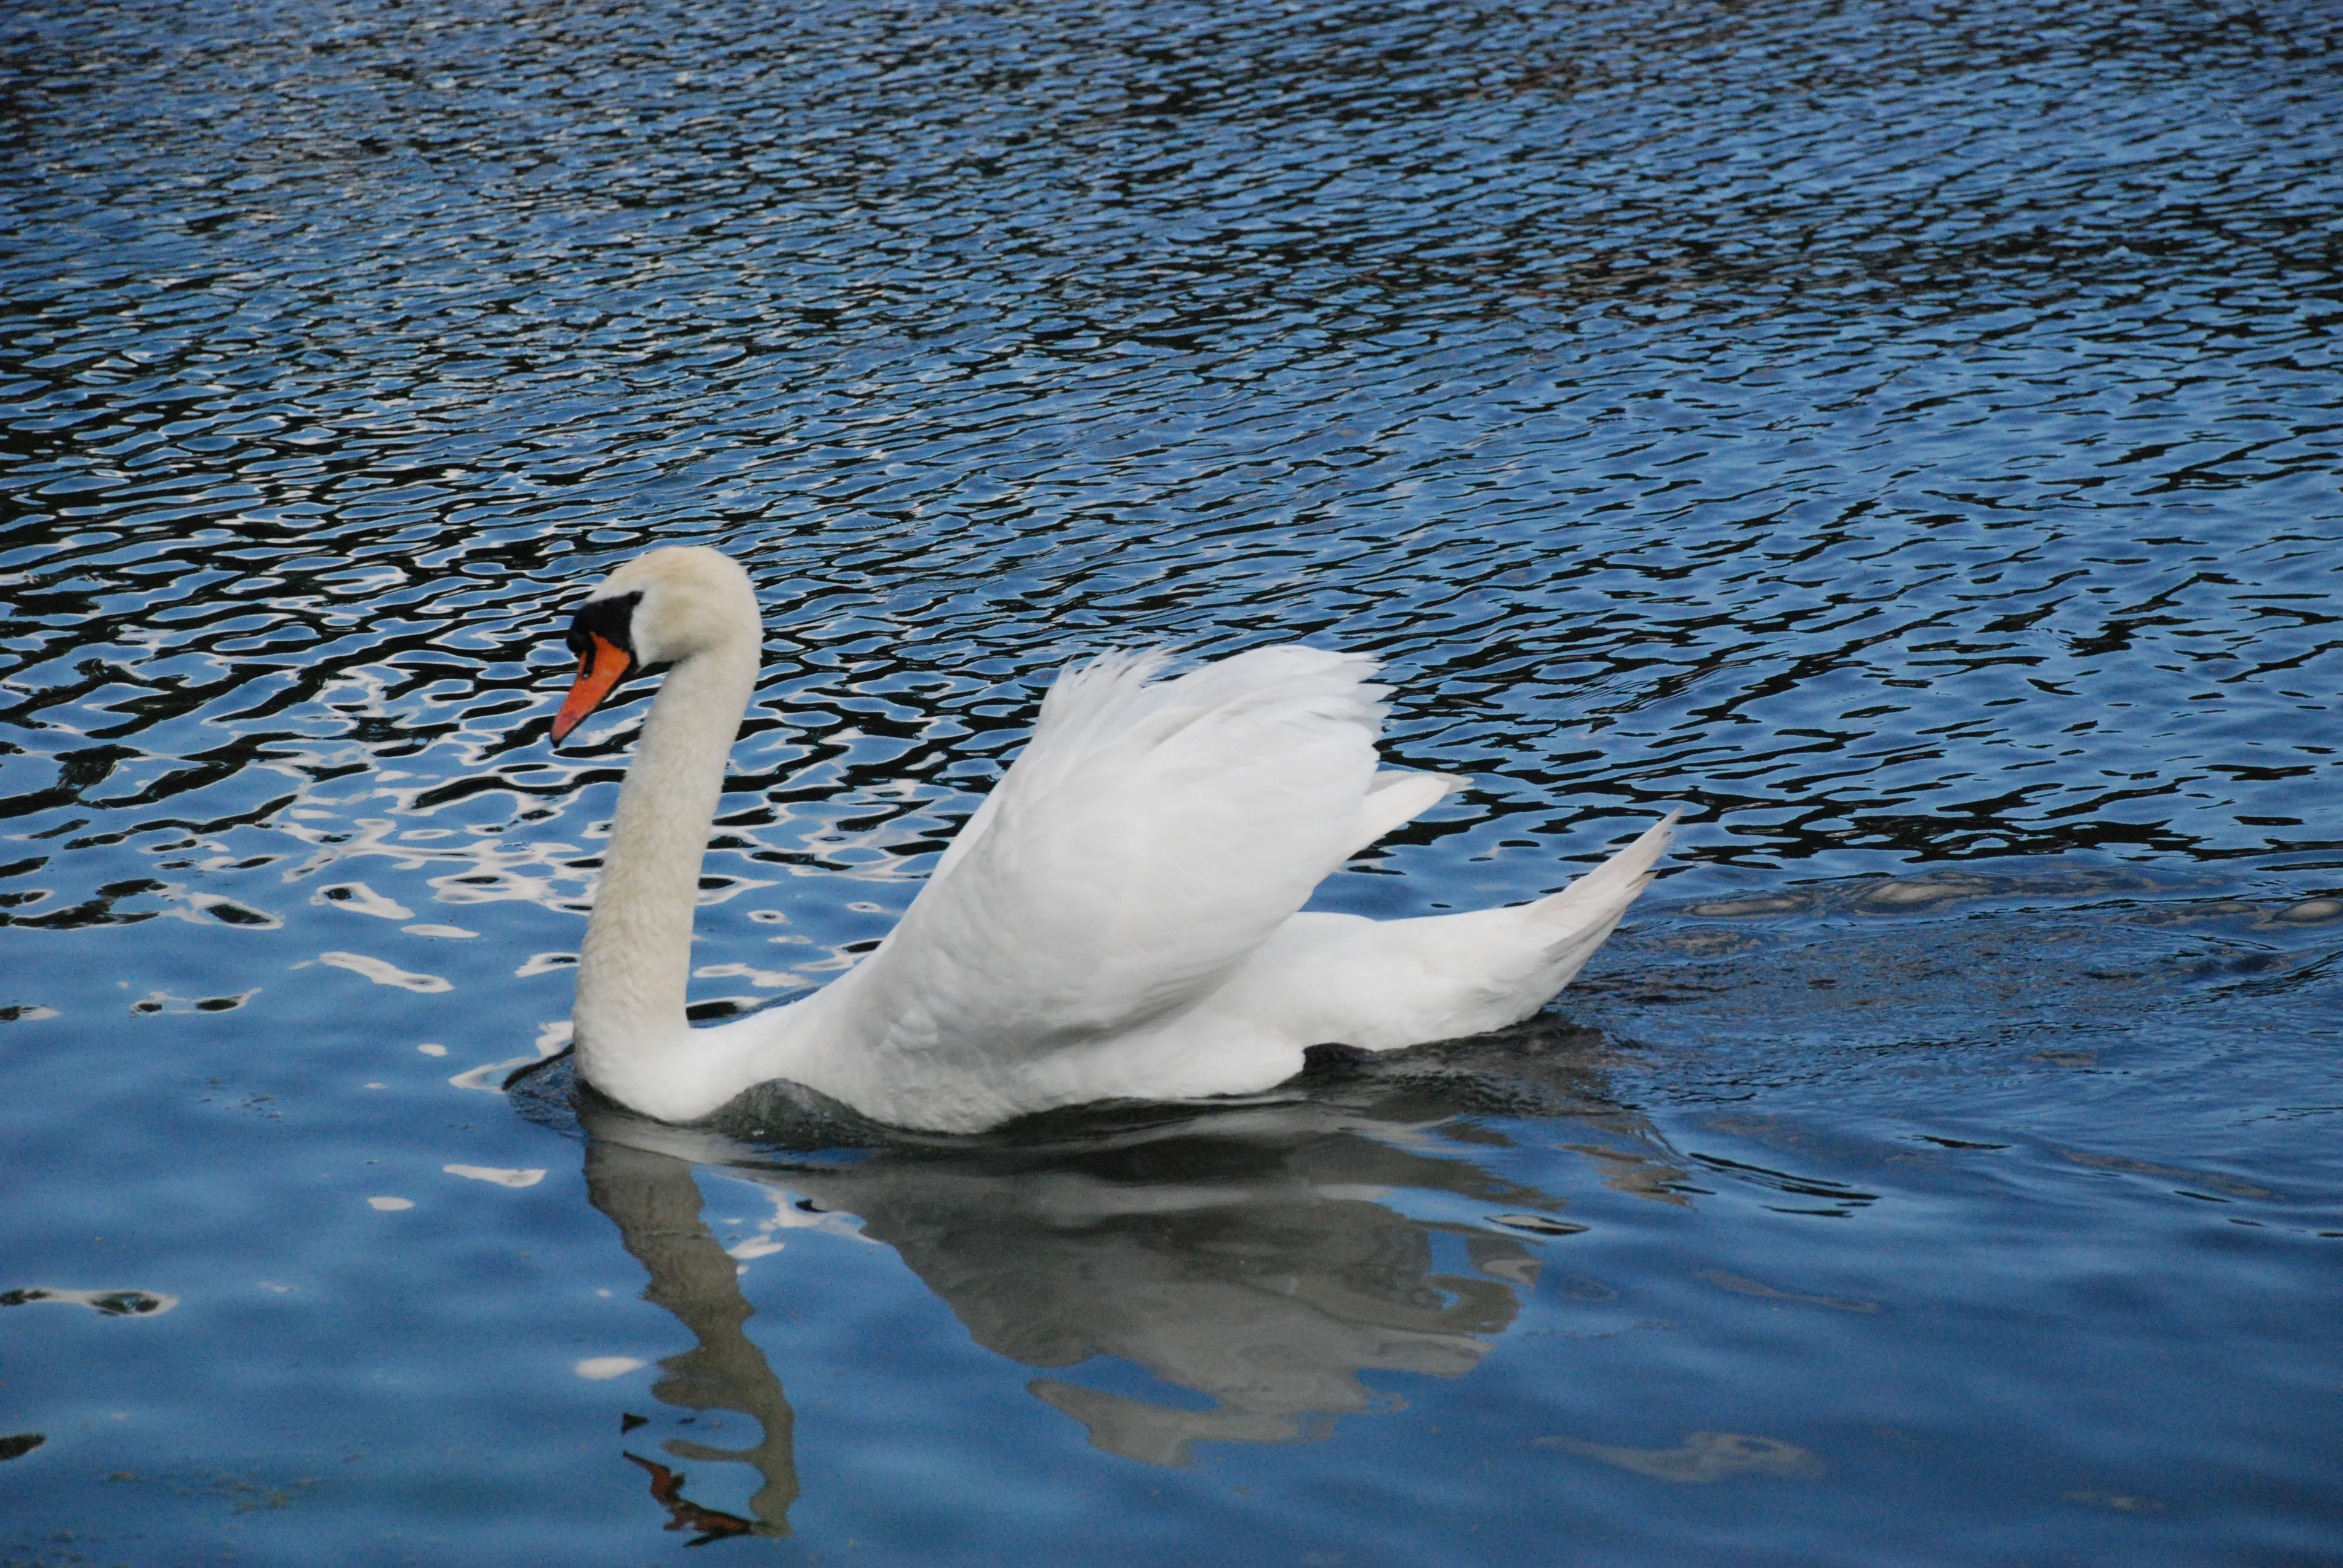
point(629, 1020)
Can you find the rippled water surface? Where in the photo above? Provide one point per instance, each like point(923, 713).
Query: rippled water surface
point(1904, 436)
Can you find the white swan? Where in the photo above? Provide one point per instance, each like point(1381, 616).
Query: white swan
point(1118, 920)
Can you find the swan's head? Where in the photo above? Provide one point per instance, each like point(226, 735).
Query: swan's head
point(658, 610)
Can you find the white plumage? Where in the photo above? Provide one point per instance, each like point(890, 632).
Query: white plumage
point(1118, 920)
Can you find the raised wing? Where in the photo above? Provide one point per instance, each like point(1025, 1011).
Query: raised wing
point(1151, 837)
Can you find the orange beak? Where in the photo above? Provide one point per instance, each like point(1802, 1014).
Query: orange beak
point(599, 672)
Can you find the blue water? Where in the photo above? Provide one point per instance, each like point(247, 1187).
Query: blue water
point(1904, 438)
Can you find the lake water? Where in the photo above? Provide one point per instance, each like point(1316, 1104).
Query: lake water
point(1904, 436)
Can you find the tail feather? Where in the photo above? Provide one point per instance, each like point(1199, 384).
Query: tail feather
point(1382, 984)
point(1604, 893)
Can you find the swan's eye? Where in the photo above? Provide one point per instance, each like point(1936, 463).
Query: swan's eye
point(611, 619)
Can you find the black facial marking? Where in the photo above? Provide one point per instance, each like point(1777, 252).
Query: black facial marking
point(612, 619)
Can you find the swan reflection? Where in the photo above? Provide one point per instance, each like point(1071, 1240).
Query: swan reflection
point(1264, 1257)
point(656, 1204)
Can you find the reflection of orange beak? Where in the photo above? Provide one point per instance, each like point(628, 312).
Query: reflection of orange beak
point(598, 673)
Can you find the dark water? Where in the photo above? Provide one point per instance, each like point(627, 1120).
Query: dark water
point(1905, 436)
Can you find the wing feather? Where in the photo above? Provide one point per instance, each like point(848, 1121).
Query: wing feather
point(1395, 797)
point(1151, 837)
